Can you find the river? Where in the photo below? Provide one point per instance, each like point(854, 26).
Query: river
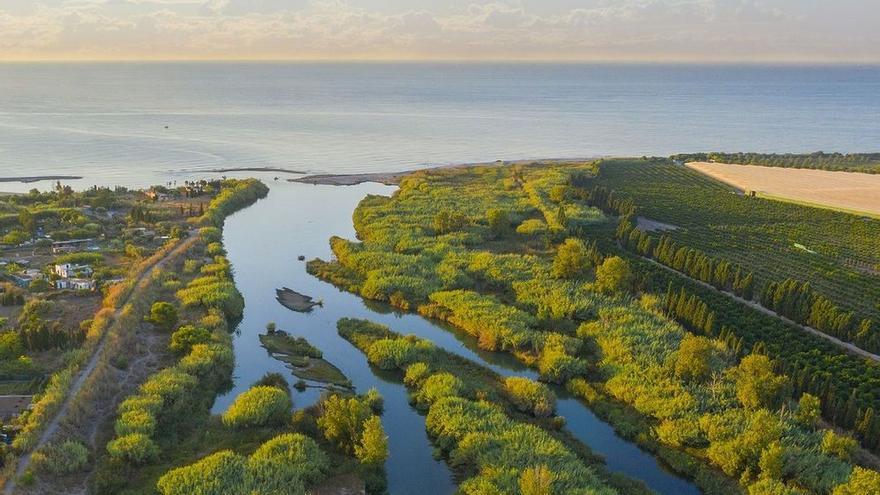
point(263, 243)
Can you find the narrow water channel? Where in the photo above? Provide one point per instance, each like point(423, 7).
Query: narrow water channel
point(264, 242)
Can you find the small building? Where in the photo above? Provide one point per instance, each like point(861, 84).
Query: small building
point(75, 284)
point(158, 196)
point(24, 278)
point(71, 245)
point(68, 270)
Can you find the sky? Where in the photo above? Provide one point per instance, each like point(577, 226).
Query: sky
point(587, 30)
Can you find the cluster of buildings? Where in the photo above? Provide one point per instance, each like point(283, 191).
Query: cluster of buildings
point(76, 277)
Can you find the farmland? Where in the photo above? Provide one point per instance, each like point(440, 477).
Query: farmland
point(852, 192)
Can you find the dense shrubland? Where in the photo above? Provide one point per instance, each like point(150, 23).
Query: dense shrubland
point(475, 418)
point(708, 395)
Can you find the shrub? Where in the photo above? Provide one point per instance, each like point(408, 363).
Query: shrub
point(59, 459)
point(186, 336)
point(861, 482)
point(286, 460)
point(436, 387)
point(222, 473)
point(530, 396)
point(258, 406)
point(163, 315)
point(134, 448)
point(838, 445)
point(415, 373)
point(135, 421)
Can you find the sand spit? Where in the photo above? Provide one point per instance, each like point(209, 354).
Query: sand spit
point(38, 178)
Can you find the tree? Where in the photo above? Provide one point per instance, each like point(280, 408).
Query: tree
point(756, 384)
point(571, 259)
point(446, 221)
point(187, 336)
point(27, 221)
point(808, 411)
point(499, 222)
point(692, 361)
point(772, 461)
point(614, 275)
point(258, 406)
point(861, 482)
point(841, 446)
point(342, 421)
point(536, 480)
point(163, 315)
point(373, 447)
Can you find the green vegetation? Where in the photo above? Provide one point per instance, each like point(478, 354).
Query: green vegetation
point(303, 359)
point(710, 385)
point(259, 406)
point(476, 418)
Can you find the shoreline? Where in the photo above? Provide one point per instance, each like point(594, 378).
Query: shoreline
point(253, 169)
point(394, 178)
point(39, 178)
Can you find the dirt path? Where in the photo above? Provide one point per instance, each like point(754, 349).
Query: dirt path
point(140, 283)
point(846, 346)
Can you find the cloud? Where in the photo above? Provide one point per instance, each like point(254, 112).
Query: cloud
point(743, 29)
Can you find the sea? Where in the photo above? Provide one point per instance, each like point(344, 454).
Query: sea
point(137, 124)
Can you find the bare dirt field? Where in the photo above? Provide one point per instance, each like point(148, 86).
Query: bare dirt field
point(850, 191)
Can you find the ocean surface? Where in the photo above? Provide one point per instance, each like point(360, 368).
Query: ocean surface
point(142, 123)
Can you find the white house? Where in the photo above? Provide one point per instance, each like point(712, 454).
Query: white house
point(68, 270)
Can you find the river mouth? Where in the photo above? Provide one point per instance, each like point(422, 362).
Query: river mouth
point(264, 243)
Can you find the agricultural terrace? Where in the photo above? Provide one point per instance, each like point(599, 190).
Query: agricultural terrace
point(451, 245)
point(837, 253)
point(851, 192)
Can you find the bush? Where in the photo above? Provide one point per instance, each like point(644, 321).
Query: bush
point(163, 315)
point(60, 459)
point(134, 448)
point(530, 396)
point(415, 373)
point(436, 387)
point(286, 460)
point(187, 336)
point(258, 406)
point(136, 421)
point(222, 473)
point(840, 446)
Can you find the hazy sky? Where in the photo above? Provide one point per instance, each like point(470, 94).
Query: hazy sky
point(704, 30)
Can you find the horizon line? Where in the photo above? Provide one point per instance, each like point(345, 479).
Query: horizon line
point(573, 61)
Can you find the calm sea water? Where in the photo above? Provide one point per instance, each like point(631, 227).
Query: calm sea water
point(108, 121)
